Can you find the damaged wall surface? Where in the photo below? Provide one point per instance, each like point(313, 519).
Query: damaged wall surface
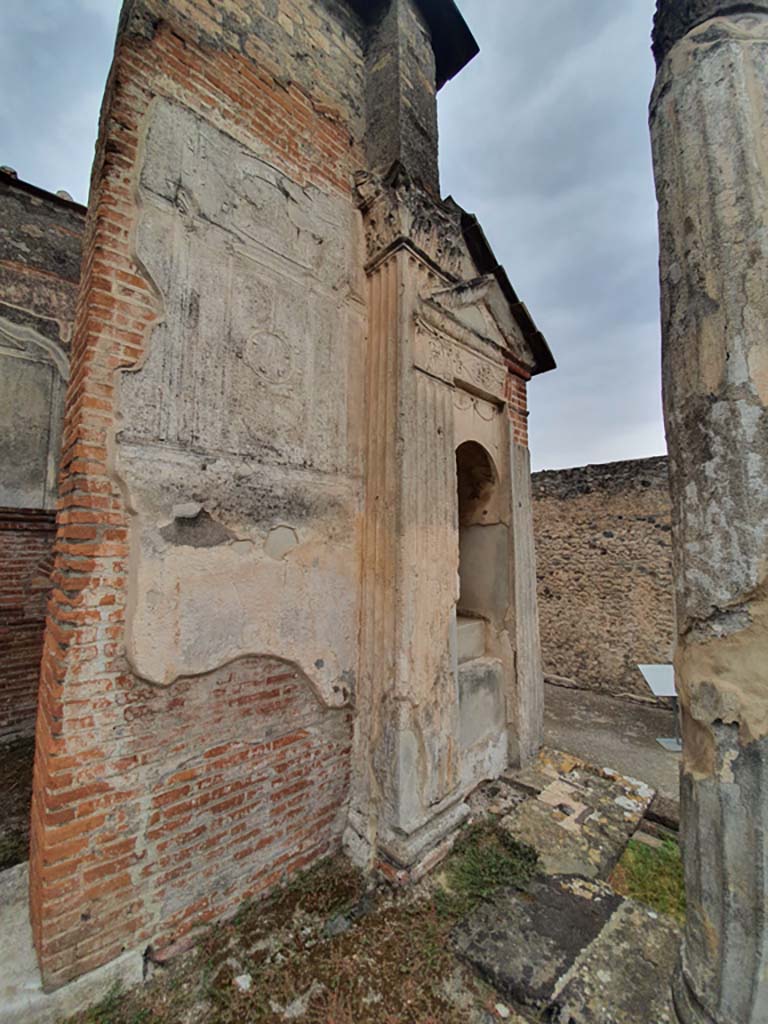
point(40, 247)
point(604, 567)
point(283, 336)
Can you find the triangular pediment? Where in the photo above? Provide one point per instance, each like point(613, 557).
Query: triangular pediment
point(481, 307)
point(464, 281)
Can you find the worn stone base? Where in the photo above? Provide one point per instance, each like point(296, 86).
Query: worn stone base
point(407, 858)
point(687, 1007)
point(22, 999)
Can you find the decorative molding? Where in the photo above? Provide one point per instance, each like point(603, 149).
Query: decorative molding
point(442, 348)
point(19, 342)
point(396, 211)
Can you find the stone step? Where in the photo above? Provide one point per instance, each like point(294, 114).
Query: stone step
point(570, 949)
point(470, 638)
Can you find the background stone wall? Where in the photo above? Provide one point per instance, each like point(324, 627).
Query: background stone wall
point(604, 566)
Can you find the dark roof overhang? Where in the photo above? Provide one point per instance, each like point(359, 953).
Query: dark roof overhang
point(486, 263)
point(452, 41)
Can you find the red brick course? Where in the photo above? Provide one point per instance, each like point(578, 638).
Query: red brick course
point(126, 775)
point(517, 407)
point(26, 561)
point(199, 795)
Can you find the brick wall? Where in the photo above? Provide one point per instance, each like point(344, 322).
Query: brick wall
point(604, 565)
point(26, 560)
point(104, 877)
point(224, 784)
point(517, 404)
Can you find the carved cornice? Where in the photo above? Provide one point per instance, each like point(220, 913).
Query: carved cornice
point(397, 212)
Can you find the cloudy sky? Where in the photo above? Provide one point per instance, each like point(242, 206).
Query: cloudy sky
point(544, 136)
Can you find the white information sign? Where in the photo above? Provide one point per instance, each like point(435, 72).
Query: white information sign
point(660, 678)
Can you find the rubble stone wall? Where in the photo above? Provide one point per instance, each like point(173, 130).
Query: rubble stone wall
point(604, 566)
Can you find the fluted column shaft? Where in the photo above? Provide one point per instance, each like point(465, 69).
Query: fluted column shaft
point(709, 126)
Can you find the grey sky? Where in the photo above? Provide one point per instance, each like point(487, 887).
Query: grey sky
point(544, 136)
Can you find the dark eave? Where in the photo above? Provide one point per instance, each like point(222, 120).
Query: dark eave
point(486, 263)
point(452, 40)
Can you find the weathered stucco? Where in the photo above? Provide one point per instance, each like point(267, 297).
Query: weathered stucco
point(262, 430)
point(708, 123)
point(40, 246)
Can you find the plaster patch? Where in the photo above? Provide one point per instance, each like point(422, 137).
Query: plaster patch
point(758, 369)
point(280, 541)
point(724, 678)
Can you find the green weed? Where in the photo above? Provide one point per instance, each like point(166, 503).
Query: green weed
point(108, 1011)
point(484, 860)
point(653, 876)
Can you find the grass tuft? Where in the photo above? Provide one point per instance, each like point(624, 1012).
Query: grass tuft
point(109, 1009)
point(485, 859)
point(653, 876)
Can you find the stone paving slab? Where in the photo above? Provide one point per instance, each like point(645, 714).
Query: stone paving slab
point(578, 817)
point(524, 943)
point(624, 976)
point(570, 950)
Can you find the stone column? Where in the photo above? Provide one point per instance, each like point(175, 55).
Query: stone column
point(709, 124)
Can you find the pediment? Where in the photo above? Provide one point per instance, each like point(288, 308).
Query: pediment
point(474, 291)
point(480, 307)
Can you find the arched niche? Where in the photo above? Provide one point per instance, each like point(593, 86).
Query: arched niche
point(483, 541)
point(33, 376)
